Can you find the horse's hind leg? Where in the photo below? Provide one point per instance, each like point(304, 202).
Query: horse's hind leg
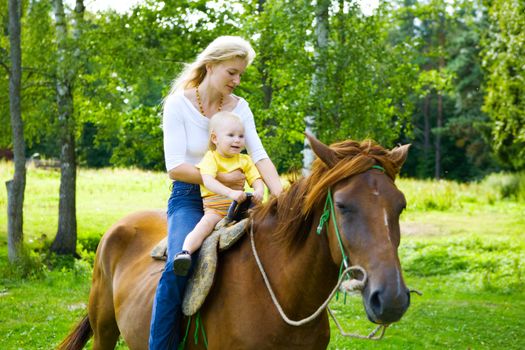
point(105, 336)
point(102, 317)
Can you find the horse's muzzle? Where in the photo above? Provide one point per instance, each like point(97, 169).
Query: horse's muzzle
point(384, 307)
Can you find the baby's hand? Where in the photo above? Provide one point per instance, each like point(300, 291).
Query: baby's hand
point(238, 196)
point(258, 196)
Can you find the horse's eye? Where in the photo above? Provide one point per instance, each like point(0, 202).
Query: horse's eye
point(344, 208)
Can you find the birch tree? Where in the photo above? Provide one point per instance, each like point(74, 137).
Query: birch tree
point(16, 186)
point(67, 59)
point(318, 78)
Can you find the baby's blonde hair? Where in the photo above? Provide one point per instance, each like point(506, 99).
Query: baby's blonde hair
point(217, 121)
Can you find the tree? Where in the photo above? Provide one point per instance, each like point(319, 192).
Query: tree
point(37, 81)
point(277, 84)
point(466, 134)
point(319, 76)
point(16, 186)
point(434, 26)
point(117, 92)
point(68, 55)
point(503, 59)
point(450, 136)
point(365, 78)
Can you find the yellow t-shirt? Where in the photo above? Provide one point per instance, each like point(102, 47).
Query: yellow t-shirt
point(213, 163)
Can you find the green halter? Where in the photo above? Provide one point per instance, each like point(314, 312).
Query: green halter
point(329, 209)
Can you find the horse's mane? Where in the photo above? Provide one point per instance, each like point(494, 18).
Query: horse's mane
point(293, 208)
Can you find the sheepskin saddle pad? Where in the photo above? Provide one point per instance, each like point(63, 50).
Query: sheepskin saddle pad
point(225, 234)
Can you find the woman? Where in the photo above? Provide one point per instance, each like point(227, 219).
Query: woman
point(204, 88)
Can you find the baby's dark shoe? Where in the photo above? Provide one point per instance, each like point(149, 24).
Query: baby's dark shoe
point(182, 263)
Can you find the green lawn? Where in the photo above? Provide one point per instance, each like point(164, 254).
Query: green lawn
point(466, 255)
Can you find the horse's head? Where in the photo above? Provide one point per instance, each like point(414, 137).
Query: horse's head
point(367, 207)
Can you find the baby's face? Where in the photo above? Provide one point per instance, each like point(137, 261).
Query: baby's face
point(229, 138)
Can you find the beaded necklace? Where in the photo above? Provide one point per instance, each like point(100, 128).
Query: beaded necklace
point(199, 102)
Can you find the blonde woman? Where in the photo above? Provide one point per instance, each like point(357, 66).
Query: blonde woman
point(204, 88)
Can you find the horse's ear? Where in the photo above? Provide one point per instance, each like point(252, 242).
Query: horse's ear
point(321, 150)
point(399, 154)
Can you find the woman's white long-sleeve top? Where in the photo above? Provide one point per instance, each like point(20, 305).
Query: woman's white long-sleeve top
point(186, 131)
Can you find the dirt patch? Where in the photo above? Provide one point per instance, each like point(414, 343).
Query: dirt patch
point(421, 229)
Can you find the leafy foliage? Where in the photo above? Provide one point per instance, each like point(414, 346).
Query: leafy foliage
point(505, 91)
point(450, 32)
point(382, 78)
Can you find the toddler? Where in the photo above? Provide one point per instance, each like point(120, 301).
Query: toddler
point(224, 156)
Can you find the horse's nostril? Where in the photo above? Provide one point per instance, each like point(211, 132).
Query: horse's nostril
point(375, 302)
point(386, 305)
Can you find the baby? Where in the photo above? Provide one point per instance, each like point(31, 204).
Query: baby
point(224, 156)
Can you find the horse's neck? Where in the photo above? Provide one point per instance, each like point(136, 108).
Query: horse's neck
point(302, 275)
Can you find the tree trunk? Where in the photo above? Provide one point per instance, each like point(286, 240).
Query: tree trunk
point(263, 66)
point(338, 79)
point(318, 79)
point(426, 127)
point(16, 186)
point(66, 237)
point(439, 118)
point(439, 124)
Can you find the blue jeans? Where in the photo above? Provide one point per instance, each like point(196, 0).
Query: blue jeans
point(184, 212)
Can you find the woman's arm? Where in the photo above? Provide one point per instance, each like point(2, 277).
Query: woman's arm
point(191, 174)
point(258, 190)
point(234, 180)
point(216, 187)
point(258, 154)
point(187, 173)
point(270, 176)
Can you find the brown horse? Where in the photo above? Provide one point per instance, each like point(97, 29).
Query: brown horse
point(302, 266)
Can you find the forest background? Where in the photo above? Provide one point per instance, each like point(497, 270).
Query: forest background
point(446, 76)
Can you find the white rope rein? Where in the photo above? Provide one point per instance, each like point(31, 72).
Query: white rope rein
point(371, 336)
point(348, 286)
point(354, 285)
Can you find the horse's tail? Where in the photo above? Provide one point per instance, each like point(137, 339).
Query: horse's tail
point(78, 336)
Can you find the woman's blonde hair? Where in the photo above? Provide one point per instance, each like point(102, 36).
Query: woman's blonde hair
point(219, 50)
point(217, 121)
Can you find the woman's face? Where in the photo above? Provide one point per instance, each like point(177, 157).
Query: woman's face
point(226, 76)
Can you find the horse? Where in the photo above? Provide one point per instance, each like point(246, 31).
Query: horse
point(301, 265)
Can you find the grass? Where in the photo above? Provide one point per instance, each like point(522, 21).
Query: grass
point(103, 197)
point(447, 316)
point(36, 313)
point(463, 246)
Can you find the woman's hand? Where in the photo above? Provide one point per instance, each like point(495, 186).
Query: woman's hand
point(234, 180)
point(258, 196)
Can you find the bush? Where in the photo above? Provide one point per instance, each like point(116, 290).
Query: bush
point(507, 185)
point(37, 260)
point(434, 260)
point(494, 264)
point(30, 265)
point(435, 195)
point(87, 248)
point(443, 195)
